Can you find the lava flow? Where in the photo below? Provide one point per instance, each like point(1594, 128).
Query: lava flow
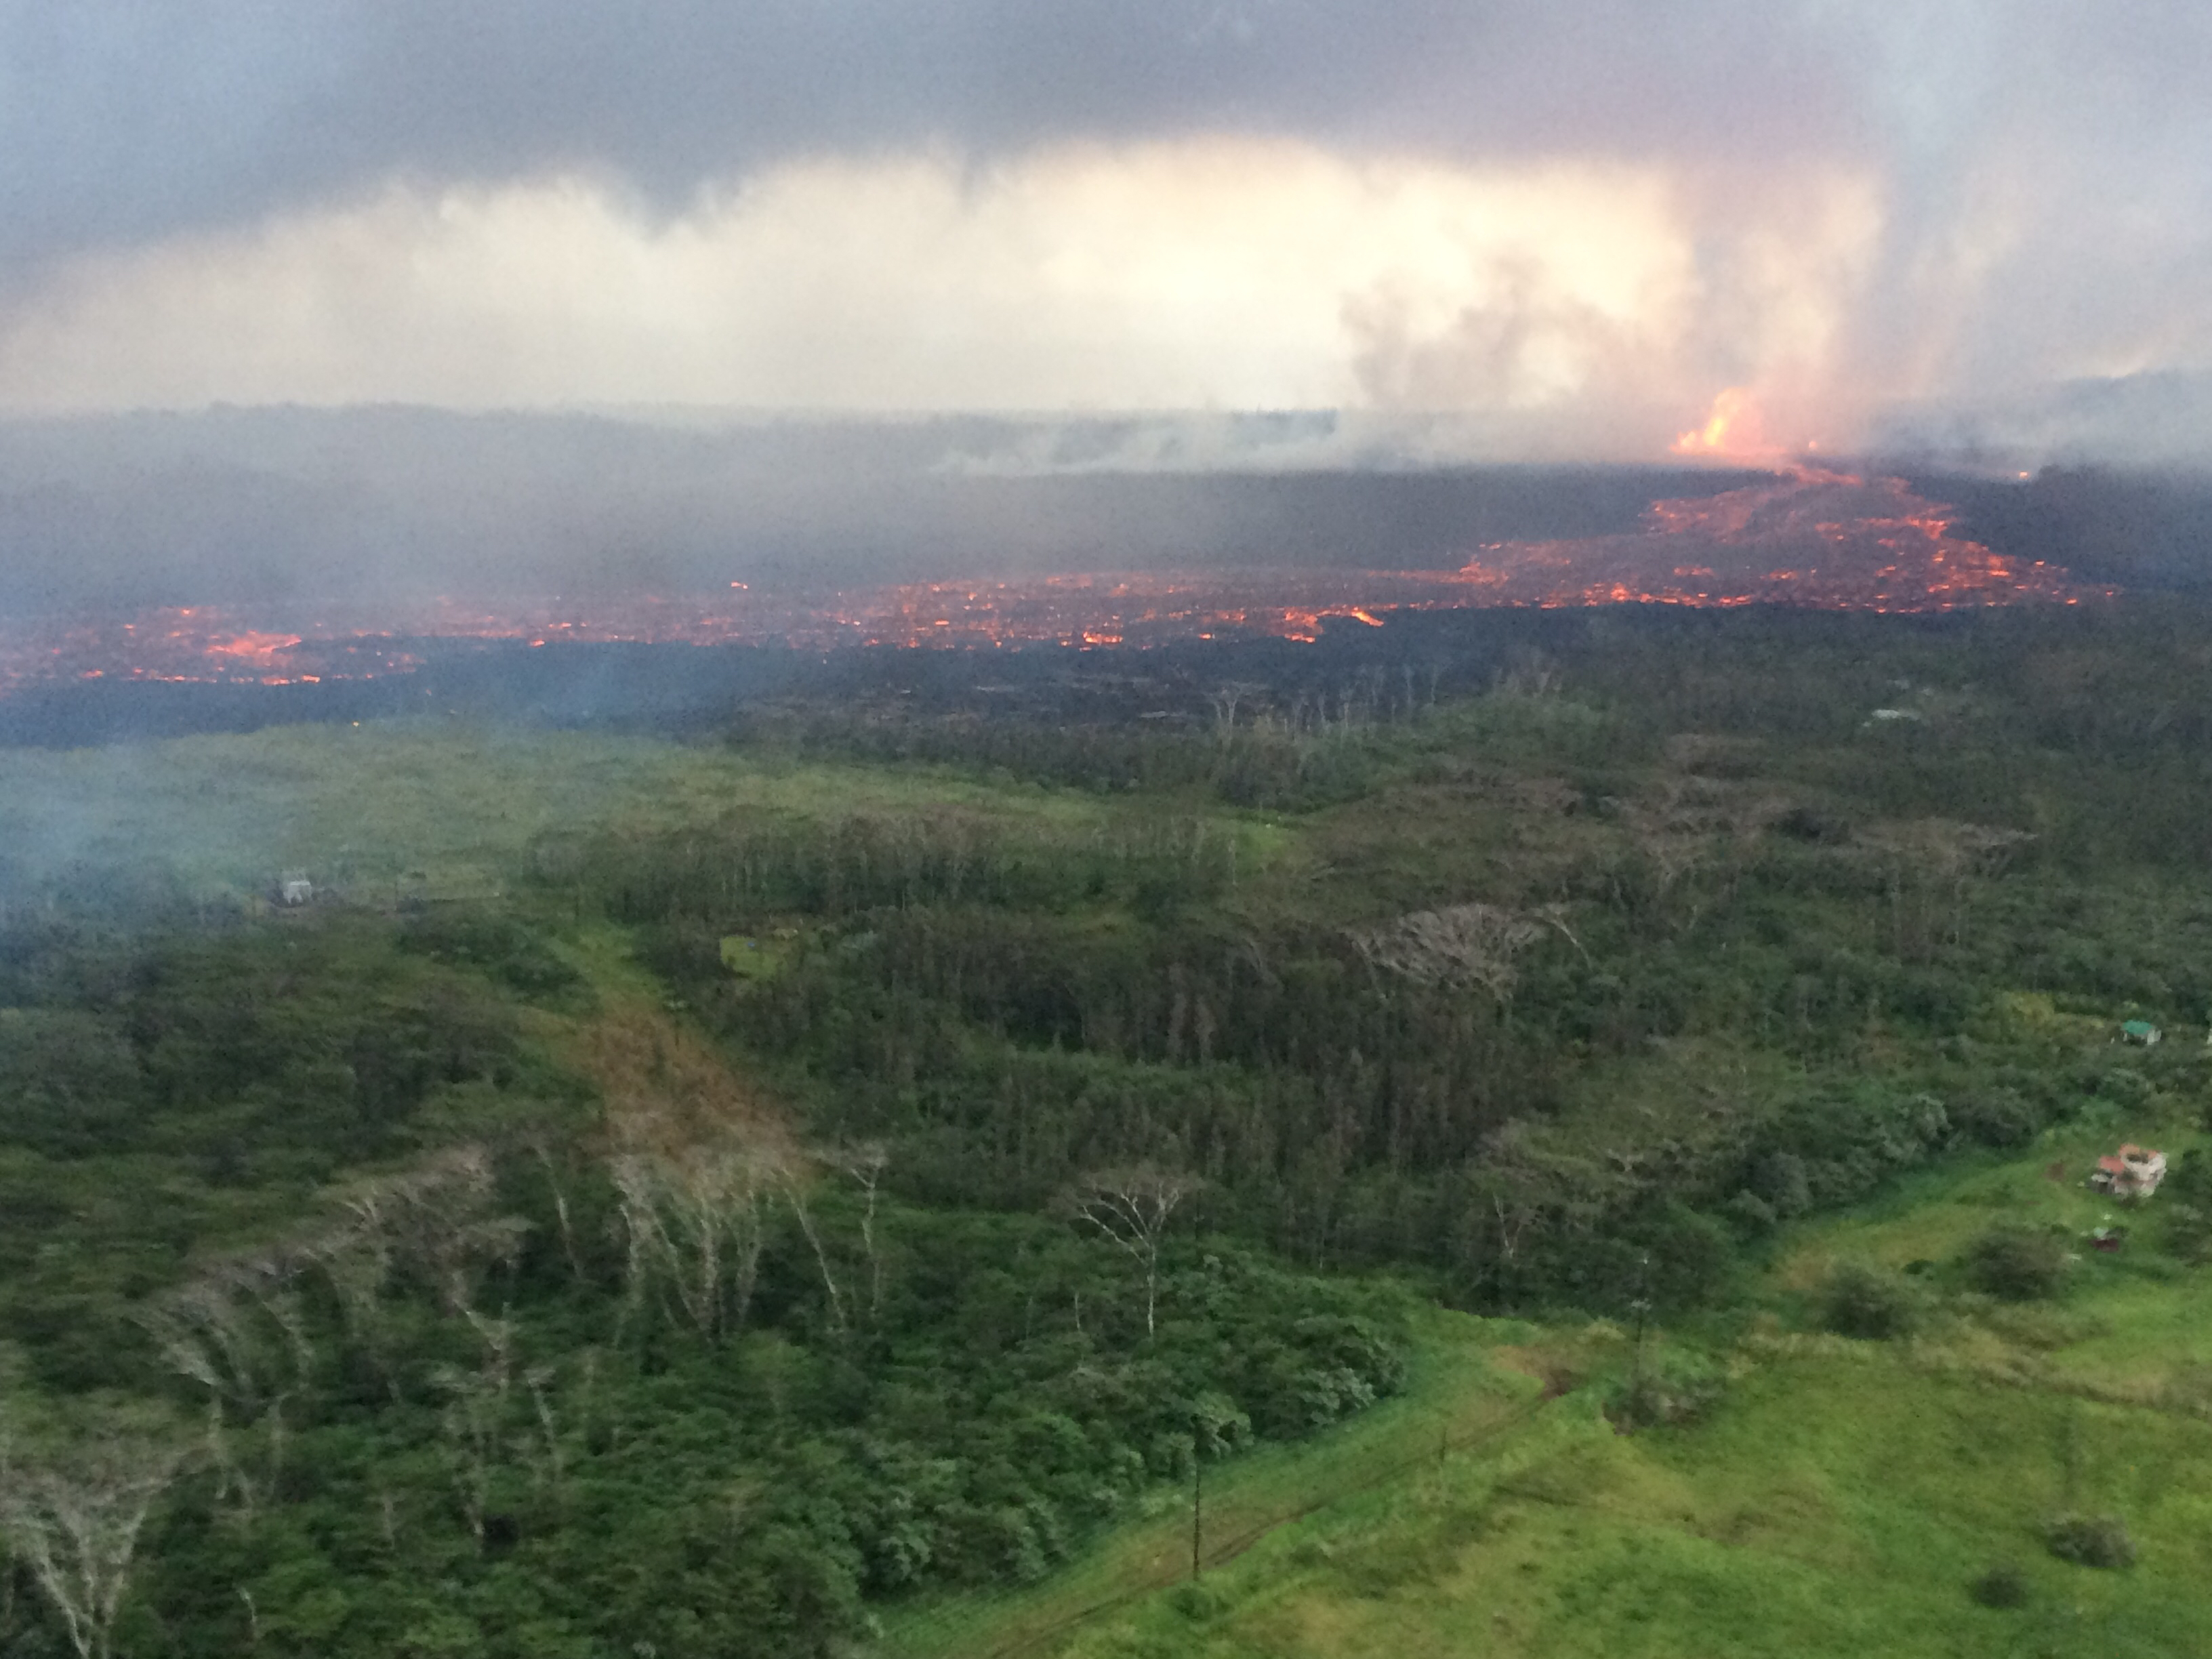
point(1810, 536)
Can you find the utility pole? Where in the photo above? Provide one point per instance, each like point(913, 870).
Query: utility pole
point(1643, 1306)
point(1197, 1508)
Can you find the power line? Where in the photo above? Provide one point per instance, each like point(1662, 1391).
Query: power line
point(1223, 1550)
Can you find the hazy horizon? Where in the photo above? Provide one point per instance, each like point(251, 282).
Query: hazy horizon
point(1587, 233)
point(345, 298)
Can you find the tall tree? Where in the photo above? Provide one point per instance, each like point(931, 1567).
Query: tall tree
point(1132, 1207)
point(72, 1513)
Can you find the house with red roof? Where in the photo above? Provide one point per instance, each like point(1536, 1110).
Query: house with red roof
point(2132, 1172)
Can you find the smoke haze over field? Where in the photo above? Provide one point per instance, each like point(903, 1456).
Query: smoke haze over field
point(1575, 225)
point(301, 504)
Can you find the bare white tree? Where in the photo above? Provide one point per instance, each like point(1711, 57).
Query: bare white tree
point(238, 1331)
point(693, 1222)
point(1226, 699)
point(795, 1193)
point(1463, 945)
point(1696, 832)
point(1936, 861)
point(474, 1420)
point(433, 1219)
point(1132, 1207)
point(72, 1514)
point(697, 1152)
point(539, 1380)
point(864, 1162)
point(357, 1271)
point(544, 1157)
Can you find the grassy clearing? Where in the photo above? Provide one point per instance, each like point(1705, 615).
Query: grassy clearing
point(1838, 1501)
point(2133, 1325)
point(1461, 1387)
point(438, 808)
point(1837, 1505)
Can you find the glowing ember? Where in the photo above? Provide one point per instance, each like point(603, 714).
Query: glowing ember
point(254, 649)
point(1810, 536)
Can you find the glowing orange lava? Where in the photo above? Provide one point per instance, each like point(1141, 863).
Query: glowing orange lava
point(1733, 430)
point(1813, 536)
point(1808, 537)
point(253, 647)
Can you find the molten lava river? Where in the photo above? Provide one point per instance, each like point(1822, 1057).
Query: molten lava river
point(1810, 536)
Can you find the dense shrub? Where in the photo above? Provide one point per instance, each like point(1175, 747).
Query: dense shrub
point(2019, 1264)
point(1669, 1387)
point(70, 1081)
point(1999, 1117)
point(1779, 1180)
point(2090, 1540)
point(2004, 1585)
point(1859, 1300)
point(2185, 1207)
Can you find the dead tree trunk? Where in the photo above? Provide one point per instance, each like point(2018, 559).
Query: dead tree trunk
point(1133, 1208)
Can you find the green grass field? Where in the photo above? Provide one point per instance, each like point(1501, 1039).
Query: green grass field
point(1839, 1499)
point(1458, 1394)
point(447, 807)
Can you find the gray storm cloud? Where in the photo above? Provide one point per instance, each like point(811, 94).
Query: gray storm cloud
point(1851, 208)
point(125, 122)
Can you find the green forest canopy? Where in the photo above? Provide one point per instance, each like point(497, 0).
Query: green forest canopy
point(485, 1267)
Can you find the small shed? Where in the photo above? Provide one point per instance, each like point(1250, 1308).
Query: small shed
point(2132, 1172)
point(2140, 1032)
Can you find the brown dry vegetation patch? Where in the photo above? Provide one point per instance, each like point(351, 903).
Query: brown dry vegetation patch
point(667, 1089)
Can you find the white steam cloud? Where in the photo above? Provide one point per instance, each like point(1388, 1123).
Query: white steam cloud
point(1572, 226)
point(1608, 301)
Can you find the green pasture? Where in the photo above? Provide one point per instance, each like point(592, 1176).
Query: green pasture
point(1839, 1499)
point(1458, 1395)
point(2133, 1325)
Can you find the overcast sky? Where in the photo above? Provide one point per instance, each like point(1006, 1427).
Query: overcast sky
point(1596, 217)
